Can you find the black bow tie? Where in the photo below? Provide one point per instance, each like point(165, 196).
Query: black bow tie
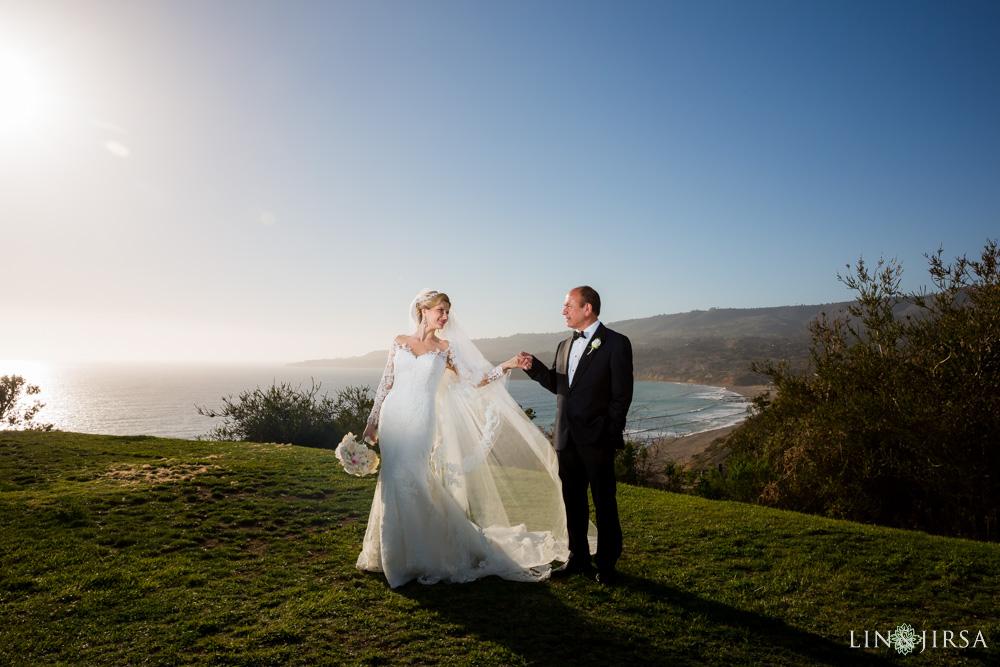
point(578, 334)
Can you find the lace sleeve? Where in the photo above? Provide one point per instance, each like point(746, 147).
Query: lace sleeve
point(470, 376)
point(385, 385)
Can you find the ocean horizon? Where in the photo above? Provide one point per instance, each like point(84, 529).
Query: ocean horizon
point(161, 399)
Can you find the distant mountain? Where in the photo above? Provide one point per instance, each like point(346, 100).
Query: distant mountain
point(725, 322)
point(712, 346)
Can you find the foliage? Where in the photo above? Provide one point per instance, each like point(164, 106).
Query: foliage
point(352, 407)
point(676, 479)
point(634, 465)
point(739, 479)
point(896, 419)
point(13, 413)
point(286, 414)
point(243, 554)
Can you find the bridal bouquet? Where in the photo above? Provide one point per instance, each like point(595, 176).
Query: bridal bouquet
point(357, 458)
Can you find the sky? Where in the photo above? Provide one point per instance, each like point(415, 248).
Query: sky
point(247, 181)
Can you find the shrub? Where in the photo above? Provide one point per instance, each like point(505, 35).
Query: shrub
point(895, 417)
point(676, 479)
point(633, 464)
point(284, 414)
point(352, 407)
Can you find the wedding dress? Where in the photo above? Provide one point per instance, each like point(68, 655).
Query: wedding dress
point(468, 486)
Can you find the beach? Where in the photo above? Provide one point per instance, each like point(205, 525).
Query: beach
point(698, 451)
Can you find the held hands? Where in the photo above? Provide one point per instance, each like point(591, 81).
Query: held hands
point(526, 360)
point(522, 361)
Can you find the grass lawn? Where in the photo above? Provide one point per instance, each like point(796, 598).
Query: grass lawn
point(148, 551)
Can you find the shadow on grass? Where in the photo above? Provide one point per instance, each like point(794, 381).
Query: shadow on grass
point(545, 626)
point(767, 635)
point(529, 620)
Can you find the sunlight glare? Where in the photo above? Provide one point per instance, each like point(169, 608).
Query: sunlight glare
point(29, 370)
point(26, 102)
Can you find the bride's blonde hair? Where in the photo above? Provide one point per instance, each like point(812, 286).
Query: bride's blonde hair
point(430, 300)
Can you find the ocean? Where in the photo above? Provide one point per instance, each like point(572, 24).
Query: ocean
point(161, 399)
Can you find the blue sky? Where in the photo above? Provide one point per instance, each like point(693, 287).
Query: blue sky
point(274, 181)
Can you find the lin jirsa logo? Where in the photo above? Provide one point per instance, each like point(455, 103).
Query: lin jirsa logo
point(906, 640)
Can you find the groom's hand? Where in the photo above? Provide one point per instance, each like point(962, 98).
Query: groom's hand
point(526, 360)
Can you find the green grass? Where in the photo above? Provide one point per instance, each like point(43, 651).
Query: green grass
point(243, 554)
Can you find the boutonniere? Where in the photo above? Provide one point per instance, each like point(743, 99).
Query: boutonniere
point(593, 346)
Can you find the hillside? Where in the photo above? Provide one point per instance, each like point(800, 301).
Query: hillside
point(711, 346)
point(139, 550)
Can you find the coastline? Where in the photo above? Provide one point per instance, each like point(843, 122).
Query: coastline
point(698, 451)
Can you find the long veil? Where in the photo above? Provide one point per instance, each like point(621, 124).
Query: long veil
point(493, 460)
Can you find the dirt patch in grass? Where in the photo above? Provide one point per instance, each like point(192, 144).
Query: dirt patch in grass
point(167, 471)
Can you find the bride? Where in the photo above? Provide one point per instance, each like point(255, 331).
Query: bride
point(468, 486)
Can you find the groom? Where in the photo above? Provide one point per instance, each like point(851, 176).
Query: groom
point(592, 380)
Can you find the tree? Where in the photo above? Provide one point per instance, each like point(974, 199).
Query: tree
point(895, 419)
point(286, 414)
point(13, 413)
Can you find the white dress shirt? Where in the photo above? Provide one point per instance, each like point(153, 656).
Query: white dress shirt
point(578, 347)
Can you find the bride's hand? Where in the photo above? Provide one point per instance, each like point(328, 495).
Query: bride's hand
point(370, 433)
point(520, 361)
point(512, 363)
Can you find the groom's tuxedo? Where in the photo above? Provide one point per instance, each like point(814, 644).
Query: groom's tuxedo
point(590, 419)
point(591, 411)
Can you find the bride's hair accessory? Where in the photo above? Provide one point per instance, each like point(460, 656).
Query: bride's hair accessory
point(425, 299)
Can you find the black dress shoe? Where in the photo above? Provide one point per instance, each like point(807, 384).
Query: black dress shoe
point(570, 568)
point(607, 577)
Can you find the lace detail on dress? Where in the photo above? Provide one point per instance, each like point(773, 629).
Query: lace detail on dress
point(385, 384)
point(469, 376)
point(389, 375)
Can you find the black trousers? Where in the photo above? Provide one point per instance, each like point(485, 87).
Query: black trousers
point(580, 468)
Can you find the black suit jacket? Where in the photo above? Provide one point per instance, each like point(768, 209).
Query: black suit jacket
point(593, 410)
